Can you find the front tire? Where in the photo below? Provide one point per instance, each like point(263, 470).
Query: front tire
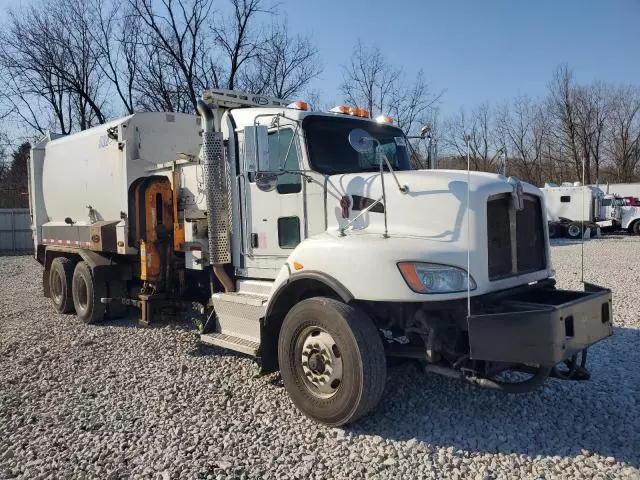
point(331, 360)
point(87, 294)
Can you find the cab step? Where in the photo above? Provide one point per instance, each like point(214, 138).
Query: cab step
point(230, 342)
point(237, 321)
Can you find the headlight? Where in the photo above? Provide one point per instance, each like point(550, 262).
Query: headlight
point(435, 278)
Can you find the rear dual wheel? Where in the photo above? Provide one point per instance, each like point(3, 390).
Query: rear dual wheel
point(87, 294)
point(60, 280)
point(574, 231)
point(331, 360)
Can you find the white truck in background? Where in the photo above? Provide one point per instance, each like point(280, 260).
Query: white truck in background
point(573, 207)
point(306, 240)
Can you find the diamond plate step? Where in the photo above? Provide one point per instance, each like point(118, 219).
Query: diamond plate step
point(232, 343)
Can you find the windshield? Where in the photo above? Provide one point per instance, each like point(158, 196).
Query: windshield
point(619, 201)
point(331, 153)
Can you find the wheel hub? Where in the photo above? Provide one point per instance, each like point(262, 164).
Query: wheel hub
point(316, 363)
point(321, 363)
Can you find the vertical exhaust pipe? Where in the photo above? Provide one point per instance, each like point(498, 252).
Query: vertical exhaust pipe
point(218, 195)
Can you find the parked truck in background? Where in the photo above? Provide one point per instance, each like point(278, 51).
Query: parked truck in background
point(571, 208)
point(305, 239)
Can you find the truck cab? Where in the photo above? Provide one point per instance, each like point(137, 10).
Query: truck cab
point(311, 241)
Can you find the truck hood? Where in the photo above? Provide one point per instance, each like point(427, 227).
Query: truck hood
point(628, 215)
point(429, 223)
point(434, 207)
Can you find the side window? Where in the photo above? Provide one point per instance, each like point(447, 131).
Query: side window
point(565, 198)
point(288, 232)
point(279, 142)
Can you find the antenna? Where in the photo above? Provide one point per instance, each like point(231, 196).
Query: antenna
point(584, 187)
point(467, 139)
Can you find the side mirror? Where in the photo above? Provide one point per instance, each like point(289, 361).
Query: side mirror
point(361, 141)
point(256, 152)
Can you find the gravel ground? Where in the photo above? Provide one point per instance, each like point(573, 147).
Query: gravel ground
point(115, 401)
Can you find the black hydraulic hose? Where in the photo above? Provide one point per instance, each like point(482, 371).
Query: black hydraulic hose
point(520, 387)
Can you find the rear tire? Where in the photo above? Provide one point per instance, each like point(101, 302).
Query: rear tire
point(87, 294)
point(636, 227)
point(574, 231)
point(332, 361)
point(60, 280)
point(554, 231)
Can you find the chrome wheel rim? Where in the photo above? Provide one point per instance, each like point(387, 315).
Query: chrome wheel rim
point(574, 231)
point(321, 362)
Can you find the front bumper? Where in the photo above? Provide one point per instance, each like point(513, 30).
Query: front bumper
point(540, 325)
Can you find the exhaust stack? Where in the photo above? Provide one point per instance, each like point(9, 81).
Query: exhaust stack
point(218, 194)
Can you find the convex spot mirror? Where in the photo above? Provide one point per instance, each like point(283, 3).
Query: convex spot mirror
point(361, 141)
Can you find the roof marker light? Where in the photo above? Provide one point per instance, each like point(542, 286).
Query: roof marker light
point(359, 112)
point(299, 105)
point(384, 119)
point(340, 109)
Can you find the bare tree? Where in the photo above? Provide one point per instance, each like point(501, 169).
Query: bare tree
point(370, 82)
point(563, 110)
point(49, 58)
point(624, 133)
point(523, 128)
point(284, 67)
point(174, 35)
point(239, 39)
point(483, 144)
point(118, 42)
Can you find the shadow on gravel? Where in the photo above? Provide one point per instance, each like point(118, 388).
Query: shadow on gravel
point(564, 418)
point(564, 242)
point(131, 321)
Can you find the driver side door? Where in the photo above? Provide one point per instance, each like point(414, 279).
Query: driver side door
point(273, 208)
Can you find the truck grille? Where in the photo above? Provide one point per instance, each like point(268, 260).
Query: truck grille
point(509, 232)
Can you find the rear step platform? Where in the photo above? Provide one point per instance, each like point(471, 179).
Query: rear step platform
point(232, 343)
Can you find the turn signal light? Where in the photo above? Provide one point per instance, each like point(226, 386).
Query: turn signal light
point(383, 119)
point(299, 105)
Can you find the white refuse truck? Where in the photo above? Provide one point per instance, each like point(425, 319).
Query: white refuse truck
point(306, 240)
point(573, 207)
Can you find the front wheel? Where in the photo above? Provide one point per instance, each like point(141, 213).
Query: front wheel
point(332, 360)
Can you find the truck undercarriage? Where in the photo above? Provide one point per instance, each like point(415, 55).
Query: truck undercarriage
point(531, 329)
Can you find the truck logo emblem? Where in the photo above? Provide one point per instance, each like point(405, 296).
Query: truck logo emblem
point(345, 203)
point(518, 193)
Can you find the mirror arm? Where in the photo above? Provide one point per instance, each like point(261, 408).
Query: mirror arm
point(293, 138)
point(351, 222)
point(402, 188)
